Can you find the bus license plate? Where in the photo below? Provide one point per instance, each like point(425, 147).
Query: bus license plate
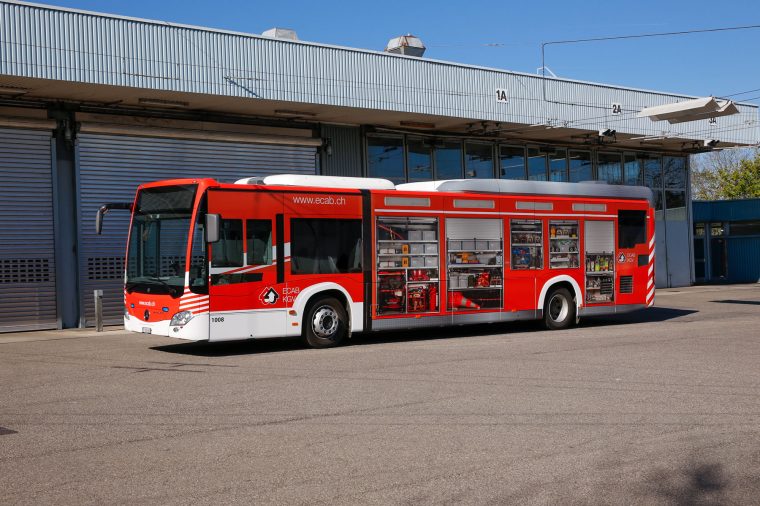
point(147, 330)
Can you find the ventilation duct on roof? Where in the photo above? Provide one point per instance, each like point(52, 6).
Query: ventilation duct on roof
point(406, 44)
point(281, 33)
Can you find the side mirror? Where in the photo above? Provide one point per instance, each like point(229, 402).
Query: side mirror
point(102, 210)
point(99, 220)
point(212, 228)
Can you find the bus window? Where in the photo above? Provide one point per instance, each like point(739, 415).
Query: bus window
point(325, 246)
point(632, 228)
point(258, 236)
point(228, 251)
point(198, 263)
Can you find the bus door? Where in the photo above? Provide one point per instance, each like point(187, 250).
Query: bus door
point(245, 289)
point(599, 258)
point(632, 260)
point(525, 262)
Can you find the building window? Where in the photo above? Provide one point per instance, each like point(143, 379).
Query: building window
point(580, 166)
point(536, 164)
point(325, 246)
point(558, 165)
point(674, 169)
point(610, 168)
point(717, 229)
point(744, 228)
point(699, 251)
point(632, 173)
point(448, 160)
point(419, 160)
point(512, 159)
point(652, 168)
point(478, 160)
point(385, 158)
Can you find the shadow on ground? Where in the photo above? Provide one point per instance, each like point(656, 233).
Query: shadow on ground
point(203, 349)
point(694, 484)
point(734, 301)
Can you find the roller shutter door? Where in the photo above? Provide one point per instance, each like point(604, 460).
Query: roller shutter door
point(110, 169)
point(27, 254)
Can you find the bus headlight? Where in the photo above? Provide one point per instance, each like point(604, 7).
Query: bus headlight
point(180, 319)
point(126, 314)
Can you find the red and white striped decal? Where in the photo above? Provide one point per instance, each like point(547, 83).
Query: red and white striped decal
point(195, 302)
point(650, 275)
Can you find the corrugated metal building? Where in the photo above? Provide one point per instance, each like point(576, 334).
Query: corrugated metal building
point(91, 105)
point(727, 241)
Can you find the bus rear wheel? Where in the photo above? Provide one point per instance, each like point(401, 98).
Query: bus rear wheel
point(326, 323)
point(559, 309)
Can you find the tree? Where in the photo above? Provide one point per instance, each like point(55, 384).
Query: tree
point(726, 174)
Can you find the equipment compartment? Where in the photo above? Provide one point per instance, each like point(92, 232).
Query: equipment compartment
point(407, 265)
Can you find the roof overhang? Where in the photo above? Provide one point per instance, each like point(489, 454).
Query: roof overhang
point(690, 110)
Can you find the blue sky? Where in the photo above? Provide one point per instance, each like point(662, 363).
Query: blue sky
point(700, 64)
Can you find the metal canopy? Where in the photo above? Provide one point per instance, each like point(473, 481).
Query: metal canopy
point(690, 110)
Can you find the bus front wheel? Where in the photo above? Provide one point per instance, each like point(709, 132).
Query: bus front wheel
point(326, 323)
point(559, 309)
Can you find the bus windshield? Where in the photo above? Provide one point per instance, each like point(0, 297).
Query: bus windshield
point(158, 240)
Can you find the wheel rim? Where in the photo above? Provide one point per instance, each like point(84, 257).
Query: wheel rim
point(558, 308)
point(325, 322)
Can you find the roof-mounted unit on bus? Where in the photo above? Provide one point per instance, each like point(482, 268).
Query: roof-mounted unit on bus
point(543, 188)
point(355, 183)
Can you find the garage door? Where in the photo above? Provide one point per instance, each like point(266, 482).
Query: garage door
point(27, 263)
point(110, 169)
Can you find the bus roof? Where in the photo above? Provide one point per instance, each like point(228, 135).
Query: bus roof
point(353, 183)
point(595, 189)
point(591, 189)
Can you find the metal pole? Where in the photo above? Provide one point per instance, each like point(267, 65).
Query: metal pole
point(98, 294)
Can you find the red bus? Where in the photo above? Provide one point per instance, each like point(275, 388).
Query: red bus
point(323, 257)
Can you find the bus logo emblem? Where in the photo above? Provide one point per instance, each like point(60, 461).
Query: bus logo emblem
point(269, 296)
point(621, 258)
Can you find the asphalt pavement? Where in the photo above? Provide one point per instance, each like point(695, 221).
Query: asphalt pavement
point(661, 406)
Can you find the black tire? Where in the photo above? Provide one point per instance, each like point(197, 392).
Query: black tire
point(326, 323)
point(559, 309)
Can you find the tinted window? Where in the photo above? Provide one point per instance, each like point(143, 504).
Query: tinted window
point(448, 160)
point(558, 165)
point(675, 172)
point(258, 236)
point(653, 178)
point(325, 246)
point(512, 162)
point(228, 251)
point(632, 228)
point(744, 228)
point(580, 166)
point(198, 261)
point(536, 165)
point(385, 158)
point(418, 160)
point(478, 160)
point(610, 168)
point(632, 174)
